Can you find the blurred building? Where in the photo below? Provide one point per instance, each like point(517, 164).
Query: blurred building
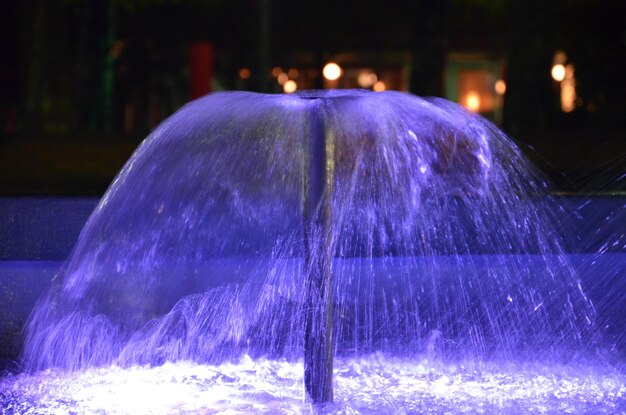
point(121, 66)
point(108, 71)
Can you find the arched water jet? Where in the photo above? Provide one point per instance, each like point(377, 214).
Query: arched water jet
point(436, 247)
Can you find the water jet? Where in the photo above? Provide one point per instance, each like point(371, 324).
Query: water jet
point(254, 240)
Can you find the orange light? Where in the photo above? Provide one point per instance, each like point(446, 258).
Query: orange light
point(290, 86)
point(282, 78)
point(558, 72)
point(276, 70)
point(380, 86)
point(472, 101)
point(568, 89)
point(366, 79)
point(244, 73)
point(500, 87)
point(332, 71)
point(293, 73)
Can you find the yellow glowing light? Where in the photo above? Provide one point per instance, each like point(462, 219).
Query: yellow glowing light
point(282, 78)
point(366, 79)
point(332, 71)
point(380, 86)
point(276, 70)
point(290, 86)
point(244, 73)
point(568, 90)
point(558, 72)
point(472, 101)
point(500, 87)
point(293, 73)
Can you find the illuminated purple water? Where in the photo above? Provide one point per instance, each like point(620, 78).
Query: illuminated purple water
point(443, 244)
point(371, 384)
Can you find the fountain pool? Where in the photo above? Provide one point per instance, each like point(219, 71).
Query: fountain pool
point(370, 384)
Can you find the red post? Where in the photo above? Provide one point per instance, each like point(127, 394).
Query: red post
point(200, 68)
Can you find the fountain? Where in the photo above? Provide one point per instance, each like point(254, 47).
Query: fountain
point(397, 252)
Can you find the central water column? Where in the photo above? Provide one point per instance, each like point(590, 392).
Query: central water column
point(319, 344)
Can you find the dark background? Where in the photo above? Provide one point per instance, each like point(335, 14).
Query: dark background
point(71, 70)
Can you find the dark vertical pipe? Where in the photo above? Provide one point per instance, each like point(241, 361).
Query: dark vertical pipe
point(318, 256)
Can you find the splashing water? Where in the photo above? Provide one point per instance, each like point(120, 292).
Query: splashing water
point(372, 384)
point(443, 250)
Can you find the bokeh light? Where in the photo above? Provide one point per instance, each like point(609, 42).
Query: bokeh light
point(380, 86)
point(472, 101)
point(500, 87)
point(332, 71)
point(568, 89)
point(276, 70)
point(244, 73)
point(290, 86)
point(558, 72)
point(282, 78)
point(366, 79)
